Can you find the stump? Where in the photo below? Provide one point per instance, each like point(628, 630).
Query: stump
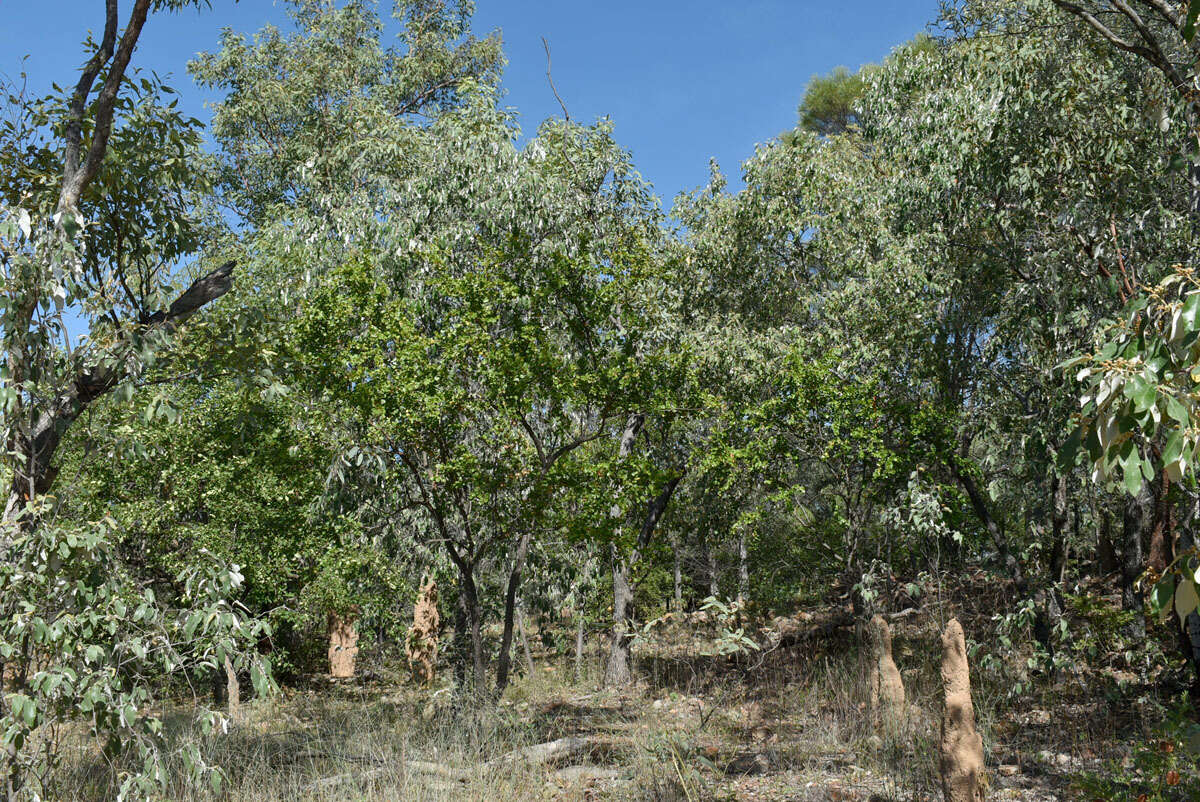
point(962, 746)
point(885, 686)
point(343, 644)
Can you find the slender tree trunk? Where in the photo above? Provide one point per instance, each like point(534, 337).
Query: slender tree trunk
point(1049, 611)
point(678, 577)
point(524, 642)
point(1189, 631)
point(743, 569)
point(983, 512)
point(1162, 533)
point(617, 672)
point(1106, 553)
point(579, 640)
point(1131, 564)
point(504, 664)
point(714, 586)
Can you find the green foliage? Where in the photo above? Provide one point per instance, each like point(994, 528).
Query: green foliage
point(84, 641)
point(1163, 765)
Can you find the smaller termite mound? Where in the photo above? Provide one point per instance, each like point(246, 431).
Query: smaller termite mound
point(884, 684)
point(233, 690)
point(962, 746)
point(420, 647)
point(343, 644)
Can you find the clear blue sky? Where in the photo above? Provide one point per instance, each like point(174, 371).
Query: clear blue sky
point(683, 80)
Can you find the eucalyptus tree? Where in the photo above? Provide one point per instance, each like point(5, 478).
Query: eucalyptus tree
point(512, 323)
point(98, 215)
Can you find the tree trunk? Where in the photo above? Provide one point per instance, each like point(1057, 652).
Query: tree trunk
point(504, 663)
point(1131, 564)
point(678, 576)
point(980, 507)
point(1106, 553)
point(1189, 631)
point(617, 672)
point(1162, 533)
point(743, 569)
point(470, 617)
point(579, 640)
point(524, 642)
point(713, 585)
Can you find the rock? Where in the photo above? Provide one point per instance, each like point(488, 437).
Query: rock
point(962, 746)
point(749, 763)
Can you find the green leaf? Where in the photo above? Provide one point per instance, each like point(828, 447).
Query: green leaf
point(1161, 595)
point(1186, 599)
point(1070, 449)
point(1189, 24)
point(1131, 469)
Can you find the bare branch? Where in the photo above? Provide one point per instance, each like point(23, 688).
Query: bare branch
point(74, 132)
point(550, 78)
point(74, 185)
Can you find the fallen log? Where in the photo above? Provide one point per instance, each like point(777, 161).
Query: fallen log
point(549, 753)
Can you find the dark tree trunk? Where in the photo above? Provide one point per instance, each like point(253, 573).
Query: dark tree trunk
point(714, 585)
point(469, 620)
point(1106, 553)
point(504, 663)
point(1131, 563)
point(1162, 533)
point(980, 507)
point(1189, 631)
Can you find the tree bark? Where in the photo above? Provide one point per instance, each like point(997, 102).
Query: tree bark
point(616, 671)
point(678, 576)
point(1105, 551)
point(504, 663)
point(524, 642)
point(1131, 564)
point(980, 507)
point(743, 569)
point(579, 640)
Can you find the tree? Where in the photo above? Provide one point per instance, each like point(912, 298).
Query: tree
point(97, 212)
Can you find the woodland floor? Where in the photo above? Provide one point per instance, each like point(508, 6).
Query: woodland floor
point(787, 724)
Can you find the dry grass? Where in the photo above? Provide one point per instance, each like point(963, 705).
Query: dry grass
point(788, 725)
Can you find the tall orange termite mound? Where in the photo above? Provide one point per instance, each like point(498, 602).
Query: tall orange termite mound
point(884, 683)
point(343, 644)
point(421, 645)
point(962, 746)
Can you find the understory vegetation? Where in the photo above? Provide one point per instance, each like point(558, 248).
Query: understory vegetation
point(582, 493)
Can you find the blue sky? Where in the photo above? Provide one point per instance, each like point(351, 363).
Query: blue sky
point(684, 81)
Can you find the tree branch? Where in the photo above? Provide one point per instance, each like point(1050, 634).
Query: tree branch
point(82, 175)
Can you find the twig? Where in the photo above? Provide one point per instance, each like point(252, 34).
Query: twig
point(550, 78)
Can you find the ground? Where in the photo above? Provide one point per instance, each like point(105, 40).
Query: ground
point(787, 721)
